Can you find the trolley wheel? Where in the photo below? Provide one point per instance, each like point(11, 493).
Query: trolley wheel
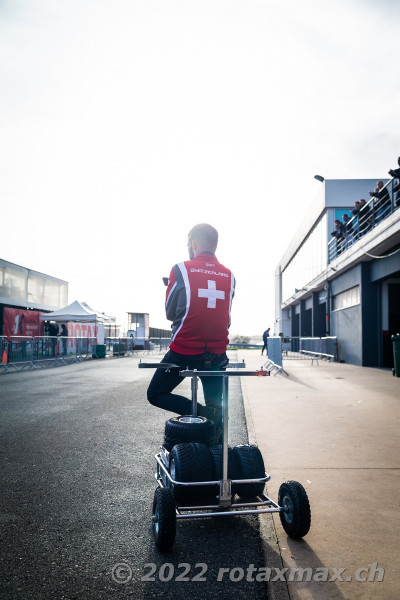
point(251, 466)
point(296, 519)
point(191, 462)
point(164, 519)
point(186, 428)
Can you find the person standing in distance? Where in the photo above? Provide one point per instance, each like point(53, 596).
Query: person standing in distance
point(198, 302)
point(265, 340)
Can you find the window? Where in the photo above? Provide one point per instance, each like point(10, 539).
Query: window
point(13, 283)
point(309, 262)
point(347, 299)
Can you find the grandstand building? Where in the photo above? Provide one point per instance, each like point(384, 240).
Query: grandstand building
point(349, 286)
point(24, 295)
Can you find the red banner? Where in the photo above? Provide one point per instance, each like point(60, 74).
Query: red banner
point(22, 322)
point(82, 330)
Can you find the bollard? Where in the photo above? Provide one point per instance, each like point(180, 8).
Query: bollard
point(396, 354)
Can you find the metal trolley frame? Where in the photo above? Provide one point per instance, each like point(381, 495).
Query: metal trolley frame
point(226, 504)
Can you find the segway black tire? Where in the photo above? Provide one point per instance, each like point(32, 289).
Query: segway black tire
point(164, 519)
point(296, 519)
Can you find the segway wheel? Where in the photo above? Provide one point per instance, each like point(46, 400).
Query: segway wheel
point(191, 462)
point(296, 517)
point(164, 519)
point(251, 466)
point(186, 428)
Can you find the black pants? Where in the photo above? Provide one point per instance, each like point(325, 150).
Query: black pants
point(163, 382)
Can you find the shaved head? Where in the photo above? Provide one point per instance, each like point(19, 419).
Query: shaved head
point(204, 237)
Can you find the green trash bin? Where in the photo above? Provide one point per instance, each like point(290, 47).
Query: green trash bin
point(100, 351)
point(396, 354)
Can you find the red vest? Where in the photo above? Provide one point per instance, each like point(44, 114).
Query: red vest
point(198, 302)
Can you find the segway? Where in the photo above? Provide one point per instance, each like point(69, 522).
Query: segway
point(197, 477)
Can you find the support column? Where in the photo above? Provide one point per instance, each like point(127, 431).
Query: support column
point(315, 305)
point(295, 331)
point(318, 315)
point(303, 332)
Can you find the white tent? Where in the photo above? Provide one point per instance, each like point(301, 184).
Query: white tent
point(101, 317)
point(77, 312)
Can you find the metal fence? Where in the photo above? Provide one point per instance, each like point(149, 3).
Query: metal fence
point(327, 346)
point(116, 346)
point(25, 352)
point(21, 352)
point(130, 345)
point(160, 344)
point(367, 217)
point(3, 349)
point(303, 348)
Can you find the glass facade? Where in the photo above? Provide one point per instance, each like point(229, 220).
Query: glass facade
point(45, 291)
point(309, 262)
point(23, 287)
point(12, 282)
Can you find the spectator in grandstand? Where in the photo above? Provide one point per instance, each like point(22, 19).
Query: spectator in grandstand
point(355, 213)
point(364, 217)
point(395, 173)
point(339, 235)
point(381, 201)
point(348, 230)
point(356, 208)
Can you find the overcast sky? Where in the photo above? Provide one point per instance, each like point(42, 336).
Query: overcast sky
point(123, 123)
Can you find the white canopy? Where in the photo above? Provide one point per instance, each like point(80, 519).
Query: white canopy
point(101, 317)
point(77, 311)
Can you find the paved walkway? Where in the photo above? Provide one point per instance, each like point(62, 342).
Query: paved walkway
point(334, 428)
point(77, 483)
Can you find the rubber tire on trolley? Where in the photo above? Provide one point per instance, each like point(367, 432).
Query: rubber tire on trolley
point(180, 430)
point(191, 462)
point(296, 520)
point(233, 466)
point(251, 466)
point(164, 519)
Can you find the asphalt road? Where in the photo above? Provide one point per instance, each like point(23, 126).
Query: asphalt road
point(77, 483)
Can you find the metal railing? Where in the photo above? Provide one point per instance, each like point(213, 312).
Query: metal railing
point(160, 344)
point(303, 348)
point(116, 346)
point(324, 347)
point(31, 352)
point(368, 217)
point(20, 348)
point(121, 346)
point(21, 352)
point(3, 349)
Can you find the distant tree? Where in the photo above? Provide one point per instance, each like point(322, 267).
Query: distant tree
point(240, 339)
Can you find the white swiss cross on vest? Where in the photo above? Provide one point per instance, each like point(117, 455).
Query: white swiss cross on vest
point(212, 294)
